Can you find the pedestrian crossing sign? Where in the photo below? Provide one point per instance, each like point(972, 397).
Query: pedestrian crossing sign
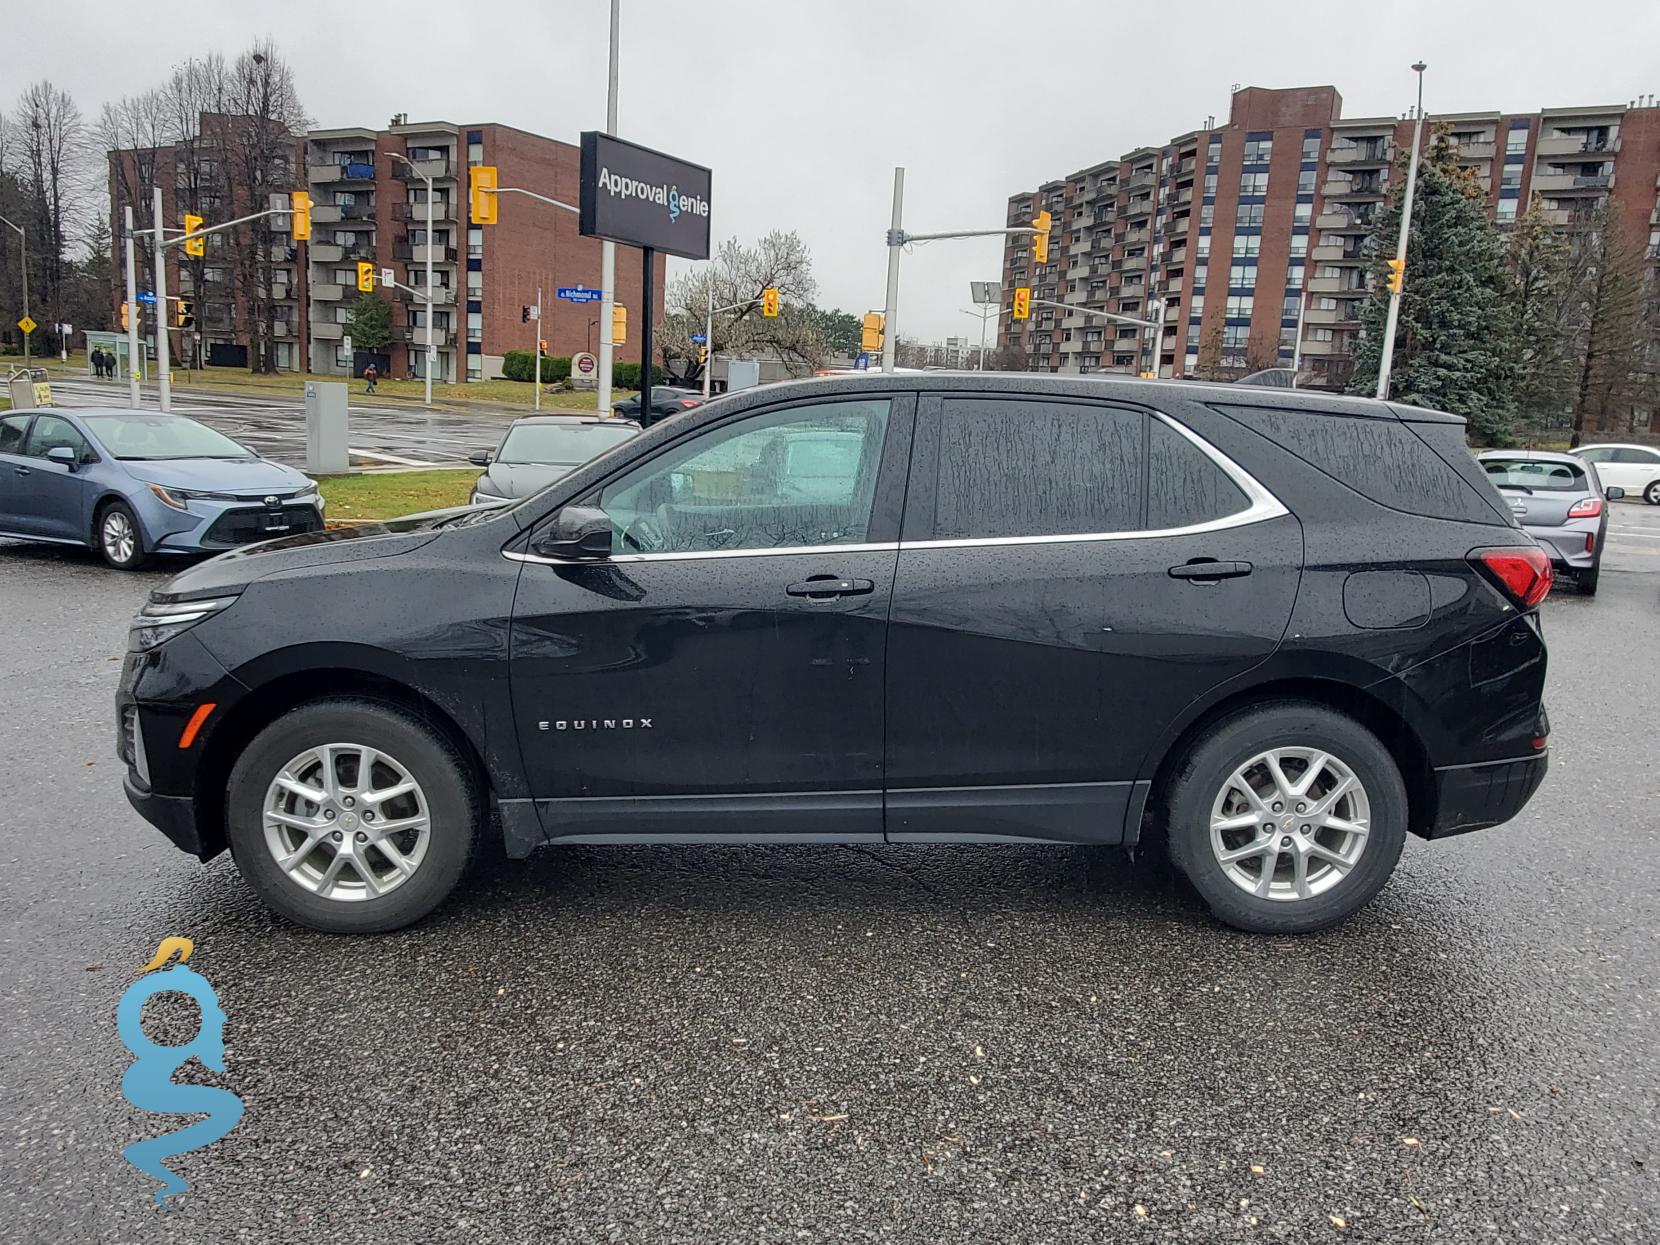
point(27, 324)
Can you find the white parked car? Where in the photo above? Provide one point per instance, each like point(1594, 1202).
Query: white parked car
point(1635, 468)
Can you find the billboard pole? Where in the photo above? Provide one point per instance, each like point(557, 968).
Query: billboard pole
point(647, 256)
point(607, 248)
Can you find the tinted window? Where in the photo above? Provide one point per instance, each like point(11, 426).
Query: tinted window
point(1184, 487)
point(802, 476)
point(1631, 455)
point(1596, 456)
point(1385, 460)
point(1535, 474)
point(1003, 467)
point(11, 433)
point(50, 432)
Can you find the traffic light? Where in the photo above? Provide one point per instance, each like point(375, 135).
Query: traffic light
point(299, 216)
point(1397, 274)
point(870, 336)
point(1040, 240)
point(769, 303)
point(524, 315)
point(123, 315)
point(481, 193)
point(365, 276)
point(1022, 302)
point(619, 325)
point(703, 354)
point(543, 344)
point(193, 246)
point(186, 313)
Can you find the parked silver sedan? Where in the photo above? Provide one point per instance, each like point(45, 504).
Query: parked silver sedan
point(1560, 502)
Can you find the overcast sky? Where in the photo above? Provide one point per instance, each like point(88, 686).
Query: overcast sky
point(804, 109)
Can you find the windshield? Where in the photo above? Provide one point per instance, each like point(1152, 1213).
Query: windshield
point(561, 444)
point(1536, 476)
point(137, 438)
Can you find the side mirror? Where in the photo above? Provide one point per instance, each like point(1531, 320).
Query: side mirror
point(63, 454)
point(479, 458)
point(1613, 492)
point(577, 534)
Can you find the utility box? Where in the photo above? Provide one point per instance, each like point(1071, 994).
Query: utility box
point(325, 428)
point(742, 374)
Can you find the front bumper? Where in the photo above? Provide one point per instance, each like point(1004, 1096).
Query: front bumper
point(173, 815)
point(211, 526)
point(1475, 797)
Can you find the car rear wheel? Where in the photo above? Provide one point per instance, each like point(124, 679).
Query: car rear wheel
point(1652, 494)
point(119, 538)
point(352, 816)
point(1586, 581)
point(1286, 817)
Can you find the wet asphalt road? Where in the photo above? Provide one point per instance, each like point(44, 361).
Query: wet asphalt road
point(386, 432)
point(834, 1044)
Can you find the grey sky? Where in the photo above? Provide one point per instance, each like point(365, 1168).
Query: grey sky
point(802, 110)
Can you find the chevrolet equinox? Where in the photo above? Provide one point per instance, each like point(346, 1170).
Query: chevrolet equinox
point(1271, 630)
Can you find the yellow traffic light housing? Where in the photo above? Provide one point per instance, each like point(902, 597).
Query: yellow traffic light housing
point(619, 325)
point(186, 313)
point(124, 315)
point(481, 193)
point(193, 246)
point(703, 354)
point(299, 216)
point(1040, 239)
point(365, 276)
point(769, 303)
point(1022, 302)
point(1397, 275)
point(870, 336)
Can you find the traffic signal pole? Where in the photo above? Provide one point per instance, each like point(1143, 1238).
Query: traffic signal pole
point(1387, 358)
point(132, 314)
point(709, 333)
point(164, 374)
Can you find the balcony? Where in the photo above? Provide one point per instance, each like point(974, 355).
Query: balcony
point(1137, 208)
point(416, 213)
point(1342, 222)
point(1344, 284)
point(324, 214)
point(421, 170)
point(1351, 188)
point(442, 296)
point(418, 254)
point(1358, 154)
point(1132, 263)
point(327, 252)
point(327, 292)
point(1574, 144)
point(328, 330)
point(441, 333)
point(322, 174)
point(1570, 184)
point(1475, 151)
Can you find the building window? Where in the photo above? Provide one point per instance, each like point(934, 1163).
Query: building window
point(1294, 276)
point(1516, 140)
point(1511, 175)
point(1239, 306)
point(1196, 305)
point(1311, 147)
point(475, 242)
point(1305, 181)
point(475, 155)
point(1292, 307)
point(475, 285)
point(1299, 245)
point(1242, 277)
point(1207, 214)
point(1249, 215)
point(1253, 183)
point(1247, 244)
point(475, 367)
point(1210, 183)
point(1258, 150)
point(1302, 213)
point(1507, 210)
point(1235, 336)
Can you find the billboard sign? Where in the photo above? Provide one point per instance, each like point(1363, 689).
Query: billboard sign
point(641, 197)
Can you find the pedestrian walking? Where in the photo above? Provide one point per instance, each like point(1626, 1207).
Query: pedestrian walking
point(370, 374)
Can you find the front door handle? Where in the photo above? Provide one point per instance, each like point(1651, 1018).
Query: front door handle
point(823, 587)
point(22, 471)
point(1209, 570)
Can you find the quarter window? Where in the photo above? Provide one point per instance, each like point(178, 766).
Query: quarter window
point(1184, 486)
point(798, 477)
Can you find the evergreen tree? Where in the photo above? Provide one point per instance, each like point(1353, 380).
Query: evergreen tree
point(1456, 339)
point(369, 322)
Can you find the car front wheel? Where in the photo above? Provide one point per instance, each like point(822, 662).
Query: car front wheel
point(351, 816)
point(1287, 817)
point(1652, 494)
point(119, 539)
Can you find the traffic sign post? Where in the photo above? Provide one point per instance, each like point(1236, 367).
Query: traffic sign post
point(584, 369)
point(27, 325)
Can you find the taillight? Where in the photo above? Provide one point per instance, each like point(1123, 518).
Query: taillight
point(1525, 574)
point(689, 403)
point(1586, 508)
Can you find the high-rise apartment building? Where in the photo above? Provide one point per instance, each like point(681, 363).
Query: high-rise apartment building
point(369, 190)
point(1244, 239)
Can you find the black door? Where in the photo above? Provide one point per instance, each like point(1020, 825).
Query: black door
point(722, 673)
point(1071, 576)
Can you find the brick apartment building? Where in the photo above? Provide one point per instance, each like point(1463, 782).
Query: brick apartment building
point(368, 206)
point(1220, 233)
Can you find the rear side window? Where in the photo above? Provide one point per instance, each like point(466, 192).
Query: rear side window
point(1383, 459)
point(1632, 455)
point(1184, 487)
point(1003, 467)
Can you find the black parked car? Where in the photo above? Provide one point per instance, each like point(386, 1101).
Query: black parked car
point(1277, 631)
point(666, 400)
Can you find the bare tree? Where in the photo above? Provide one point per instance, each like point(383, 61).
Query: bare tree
point(737, 275)
point(47, 144)
point(1606, 264)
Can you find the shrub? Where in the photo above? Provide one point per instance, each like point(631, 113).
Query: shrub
point(521, 365)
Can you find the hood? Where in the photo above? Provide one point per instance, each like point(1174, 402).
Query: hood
point(518, 480)
point(241, 567)
point(248, 477)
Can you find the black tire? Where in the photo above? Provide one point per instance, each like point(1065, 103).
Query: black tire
point(1652, 493)
point(106, 539)
point(453, 803)
point(1586, 581)
point(1199, 778)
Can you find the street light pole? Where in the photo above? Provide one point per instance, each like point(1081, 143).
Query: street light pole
point(896, 236)
point(709, 341)
point(23, 249)
point(608, 250)
point(1387, 358)
point(164, 375)
point(426, 367)
point(132, 315)
point(538, 378)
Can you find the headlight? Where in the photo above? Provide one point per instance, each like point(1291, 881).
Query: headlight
point(481, 494)
point(160, 621)
point(309, 492)
point(175, 497)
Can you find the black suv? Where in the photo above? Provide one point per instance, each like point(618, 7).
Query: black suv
point(1275, 630)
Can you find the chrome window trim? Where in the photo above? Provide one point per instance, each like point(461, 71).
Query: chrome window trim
point(1261, 506)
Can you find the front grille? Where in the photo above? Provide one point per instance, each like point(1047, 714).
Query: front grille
point(241, 527)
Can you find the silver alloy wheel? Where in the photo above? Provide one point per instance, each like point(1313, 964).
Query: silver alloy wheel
point(1652, 496)
point(119, 537)
point(347, 822)
point(1290, 823)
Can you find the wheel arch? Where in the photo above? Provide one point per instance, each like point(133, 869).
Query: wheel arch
point(275, 697)
point(95, 516)
point(1372, 711)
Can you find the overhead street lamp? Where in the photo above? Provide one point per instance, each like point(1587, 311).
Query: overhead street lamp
point(432, 355)
point(23, 244)
point(1388, 356)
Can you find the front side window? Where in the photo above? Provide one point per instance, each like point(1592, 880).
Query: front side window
point(52, 432)
point(804, 476)
point(12, 428)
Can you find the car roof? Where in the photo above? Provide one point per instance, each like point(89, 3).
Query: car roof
point(1537, 456)
point(573, 418)
point(1115, 387)
point(1616, 445)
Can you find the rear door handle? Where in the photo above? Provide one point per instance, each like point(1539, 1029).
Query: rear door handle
point(827, 586)
point(1208, 570)
point(22, 471)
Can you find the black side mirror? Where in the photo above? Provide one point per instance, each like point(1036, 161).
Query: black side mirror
point(1613, 492)
point(63, 454)
point(479, 458)
point(577, 534)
